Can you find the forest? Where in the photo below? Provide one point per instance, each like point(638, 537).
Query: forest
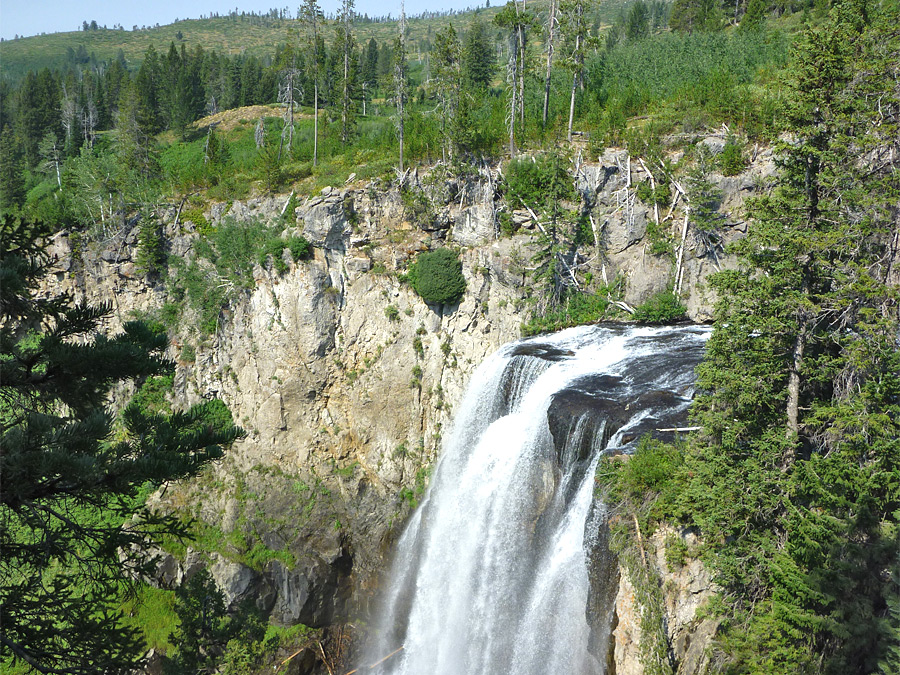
point(793, 478)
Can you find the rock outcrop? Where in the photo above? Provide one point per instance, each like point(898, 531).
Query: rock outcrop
point(687, 588)
point(344, 401)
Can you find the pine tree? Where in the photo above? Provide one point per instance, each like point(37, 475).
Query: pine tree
point(638, 23)
point(311, 16)
point(447, 62)
point(12, 185)
point(797, 477)
point(369, 65)
point(72, 472)
point(147, 92)
point(478, 60)
point(695, 15)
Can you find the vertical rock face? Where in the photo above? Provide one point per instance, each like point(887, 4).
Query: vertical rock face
point(686, 588)
point(344, 401)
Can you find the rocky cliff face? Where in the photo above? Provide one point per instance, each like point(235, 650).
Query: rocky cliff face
point(344, 377)
point(687, 588)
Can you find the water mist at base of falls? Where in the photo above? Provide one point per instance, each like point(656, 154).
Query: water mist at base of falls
point(504, 567)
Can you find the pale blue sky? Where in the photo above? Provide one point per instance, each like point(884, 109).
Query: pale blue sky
point(54, 16)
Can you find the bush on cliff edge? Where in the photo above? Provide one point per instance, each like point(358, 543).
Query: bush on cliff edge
point(437, 277)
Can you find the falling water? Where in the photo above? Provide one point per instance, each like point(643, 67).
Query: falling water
point(503, 568)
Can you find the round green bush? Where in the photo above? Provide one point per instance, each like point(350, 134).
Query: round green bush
point(437, 277)
point(662, 308)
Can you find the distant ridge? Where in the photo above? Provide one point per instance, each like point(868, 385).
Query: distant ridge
point(250, 34)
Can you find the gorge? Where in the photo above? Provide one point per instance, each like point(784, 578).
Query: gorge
point(347, 401)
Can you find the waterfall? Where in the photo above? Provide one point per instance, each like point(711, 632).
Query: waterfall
point(502, 568)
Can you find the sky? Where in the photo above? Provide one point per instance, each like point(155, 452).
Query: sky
point(18, 17)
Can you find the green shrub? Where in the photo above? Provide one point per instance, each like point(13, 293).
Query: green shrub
point(644, 191)
point(299, 247)
point(151, 255)
point(196, 216)
point(392, 313)
point(536, 182)
point(417, 206)
point(661, 195)
point(437, 277)
point(151, 397)
point(731, 159)
point(662, 308)
point(274, 248)
point(508, 226)
point(651, 472)
point(575, 309)
point(659, 243)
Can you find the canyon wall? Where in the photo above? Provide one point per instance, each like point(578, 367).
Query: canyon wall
point(345, 379)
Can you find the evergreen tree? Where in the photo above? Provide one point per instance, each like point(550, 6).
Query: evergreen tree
point(446, 59)
point(478, 59)
point(12, 185)
point(369, 65)
point(797, 476)
point(755, 14)
point(135, 126)
point(37, 112)
point(72, 472)
point(147, 92)
point(185, 96)
point(695, 15)
point(638, 23)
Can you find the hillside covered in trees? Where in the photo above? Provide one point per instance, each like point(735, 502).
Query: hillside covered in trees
point(791, 477)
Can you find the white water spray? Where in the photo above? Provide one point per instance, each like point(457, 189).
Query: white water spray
point(499, 570)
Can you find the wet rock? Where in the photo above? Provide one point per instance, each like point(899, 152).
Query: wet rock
point(542, 351)
point(603, 577)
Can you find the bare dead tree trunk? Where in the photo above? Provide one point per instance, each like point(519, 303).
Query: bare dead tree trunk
point(572, 106)
point(401, 83)
point(512, 77)
point(316, 122)
point(67, 114)
point(347, 21)
point(577, 62)
point(287, 95)
point(259, 134)
point(551, 27)
point(521, 63)
point(793, 404)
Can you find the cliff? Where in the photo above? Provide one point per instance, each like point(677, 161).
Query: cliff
point(344, 378)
